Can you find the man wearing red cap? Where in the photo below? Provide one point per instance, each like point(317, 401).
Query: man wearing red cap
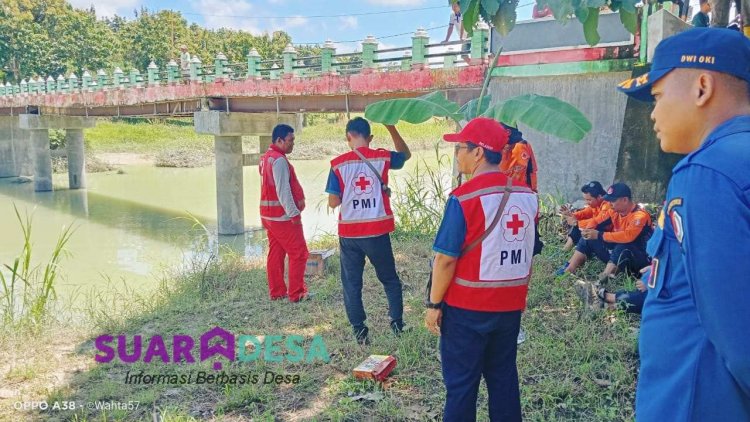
point(482, 267)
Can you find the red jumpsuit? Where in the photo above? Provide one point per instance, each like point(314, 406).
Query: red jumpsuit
point(284, 228)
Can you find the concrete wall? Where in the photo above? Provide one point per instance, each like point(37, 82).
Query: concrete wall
point(548, 33)
point(621, 146)
point(566, 166)
point(15, 158)
point(641, 162)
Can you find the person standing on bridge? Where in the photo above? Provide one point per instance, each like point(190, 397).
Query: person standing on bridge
point(455, 22)
point(694, 341)
point(358, 182)
point(185, 61)
point(281, 203)
point(484, 251)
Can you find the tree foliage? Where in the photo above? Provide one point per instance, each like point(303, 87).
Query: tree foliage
point(50, 37)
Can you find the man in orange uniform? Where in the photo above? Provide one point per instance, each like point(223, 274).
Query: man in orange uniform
point(593, 195)
point(518, 160)
point(622, 248)
point(281, 202)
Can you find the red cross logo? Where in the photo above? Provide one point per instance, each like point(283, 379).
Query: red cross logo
point(362, 184)
point(515, 224)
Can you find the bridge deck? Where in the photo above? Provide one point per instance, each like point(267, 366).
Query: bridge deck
point(333, 93)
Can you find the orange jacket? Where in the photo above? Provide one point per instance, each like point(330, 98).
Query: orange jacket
point(520, 164)
point(625, 229)
point(583, 216)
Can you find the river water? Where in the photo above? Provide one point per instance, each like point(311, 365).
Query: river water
point(132, 227)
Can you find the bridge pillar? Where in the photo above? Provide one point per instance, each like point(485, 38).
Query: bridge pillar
point(42, 160)
point(39, 127)
point(228, 129)
point(76, 159)
point(15, 158)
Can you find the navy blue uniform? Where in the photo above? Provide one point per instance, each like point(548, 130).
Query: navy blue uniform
point(695, 333)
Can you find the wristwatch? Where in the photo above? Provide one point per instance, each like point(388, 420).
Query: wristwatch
point(430, 305)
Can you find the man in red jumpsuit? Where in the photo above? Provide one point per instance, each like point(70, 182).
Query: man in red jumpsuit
point(281, 202)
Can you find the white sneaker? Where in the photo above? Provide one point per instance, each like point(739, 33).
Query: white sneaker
point(521, 336)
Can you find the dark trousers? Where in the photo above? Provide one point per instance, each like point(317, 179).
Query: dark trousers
point(627, 256)
point(575, 232)
point(631, 302)
point(378, 250)
point(475, 344)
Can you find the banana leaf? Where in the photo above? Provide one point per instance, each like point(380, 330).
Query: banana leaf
point(413, 110)
point(544, 114)
point(471, 109)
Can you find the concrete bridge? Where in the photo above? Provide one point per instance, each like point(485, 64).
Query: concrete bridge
point(229, 100)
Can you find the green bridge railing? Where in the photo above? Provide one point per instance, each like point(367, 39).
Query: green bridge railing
point(370, 59)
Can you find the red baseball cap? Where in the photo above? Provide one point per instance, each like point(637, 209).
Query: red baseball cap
point(485, 132)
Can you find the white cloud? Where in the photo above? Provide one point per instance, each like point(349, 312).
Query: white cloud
point(346, 48)
point(108, 8)
point(397, 2)
point(223, 14)
point(295, 21)
point(349, 22)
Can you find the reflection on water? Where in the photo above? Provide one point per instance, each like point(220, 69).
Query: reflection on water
point(133, 227)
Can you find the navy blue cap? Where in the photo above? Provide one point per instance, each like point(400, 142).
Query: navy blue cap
point(593, 188)
point(718, 49)
point(617, 191)
point(515, 135)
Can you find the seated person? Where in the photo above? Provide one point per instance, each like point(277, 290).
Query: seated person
point(623, 248)
point(629, 301)
point(593, 195)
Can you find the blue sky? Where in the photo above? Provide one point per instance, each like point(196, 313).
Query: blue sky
point(296, 17)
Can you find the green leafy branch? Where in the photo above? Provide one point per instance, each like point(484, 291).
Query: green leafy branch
point(502, 14)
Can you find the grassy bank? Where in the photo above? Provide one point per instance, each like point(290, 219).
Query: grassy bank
point(174, 142)
point(575, 365)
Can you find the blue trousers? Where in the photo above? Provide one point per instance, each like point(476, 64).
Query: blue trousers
point(627, 256)
point(378, 250)
point(631, 301)
point(480, 344)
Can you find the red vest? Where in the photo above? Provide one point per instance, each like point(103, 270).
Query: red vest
point(494, 276)
point(365, 210)
point(270, 207)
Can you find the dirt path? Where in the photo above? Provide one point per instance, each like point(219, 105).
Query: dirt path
point(125, 158)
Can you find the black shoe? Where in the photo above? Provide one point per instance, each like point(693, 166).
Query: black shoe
point(363, 339)
point(398, 328)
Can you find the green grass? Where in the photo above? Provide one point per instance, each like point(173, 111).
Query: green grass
point(575, 365)
point(142, 137)
point(28, 289)
point(323, 139)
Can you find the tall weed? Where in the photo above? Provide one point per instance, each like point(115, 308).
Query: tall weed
point(28, 290)
point(420, 199)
